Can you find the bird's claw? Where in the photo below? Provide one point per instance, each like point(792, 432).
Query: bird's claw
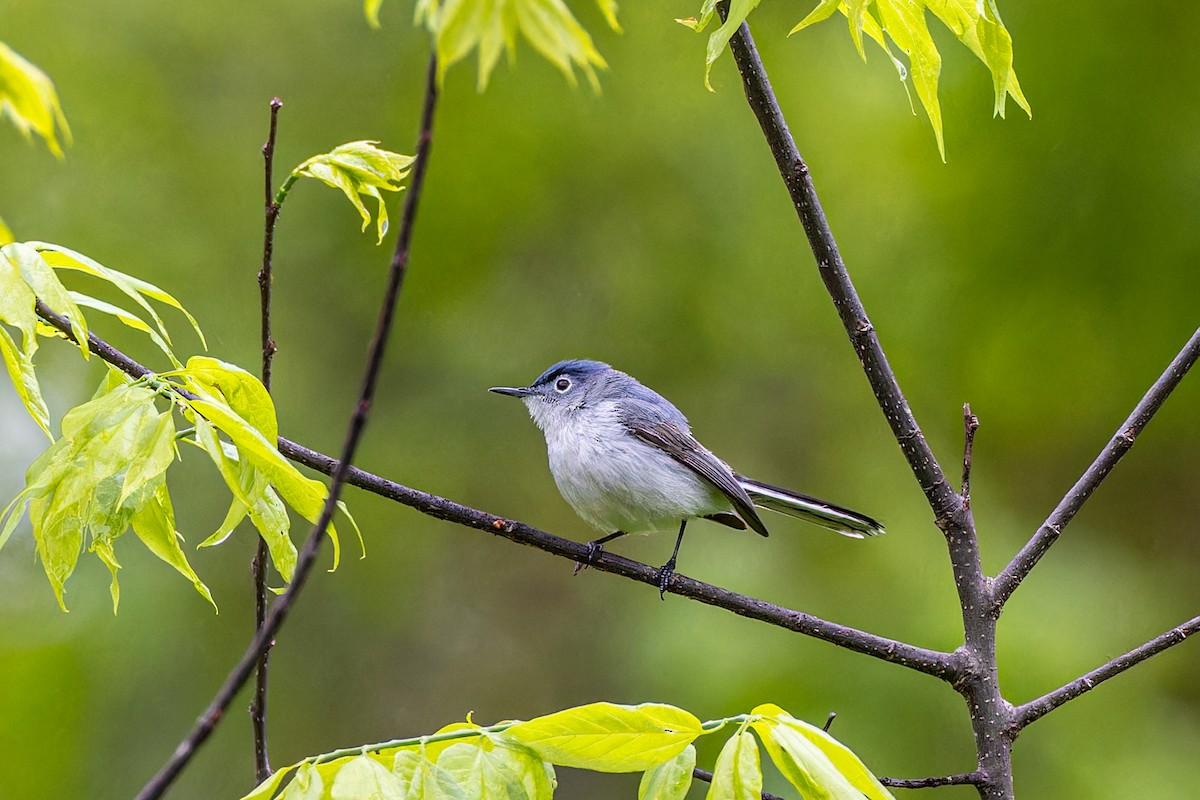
point(665, 572)
point(594, 549)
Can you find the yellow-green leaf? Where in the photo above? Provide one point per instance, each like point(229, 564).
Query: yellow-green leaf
point(975, 23)
point(6, 234)
point(841, 757)
point(40, 278)
point(28, 98)
point(136, 289)
point(128, 319)
point(356, 168)
point(737, 774)
point(19, 364)
point(609, 738)
point(364, 778)
point(154, 524)
point(671, 779)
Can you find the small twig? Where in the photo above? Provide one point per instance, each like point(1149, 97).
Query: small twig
point(963, 779)
point(1036, 709)
point(1012, 575)
point(307, 556)
point(829, 721)
point(970, 425)
point(258, 567)
point(264, 275)
point(707, 777)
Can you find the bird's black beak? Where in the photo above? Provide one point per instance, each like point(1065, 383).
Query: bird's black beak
point(524, 391)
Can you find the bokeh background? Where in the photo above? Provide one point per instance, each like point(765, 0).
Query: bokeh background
point(1046, 273)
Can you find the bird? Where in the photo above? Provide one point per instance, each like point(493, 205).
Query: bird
point(624, 458)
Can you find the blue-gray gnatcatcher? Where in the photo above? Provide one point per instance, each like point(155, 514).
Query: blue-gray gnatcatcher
point(625, 459)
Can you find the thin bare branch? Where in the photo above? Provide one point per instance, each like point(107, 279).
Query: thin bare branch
point(307, 556)
point(1012, 575)
point(970, 426)
point(258, 566)
point(964, 779)
point(947, 666)
point(1036, 709)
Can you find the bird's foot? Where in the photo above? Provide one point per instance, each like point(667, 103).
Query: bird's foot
point(594, 549)
point(664, 577)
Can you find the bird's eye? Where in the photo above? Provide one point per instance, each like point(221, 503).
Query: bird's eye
point(562, 384)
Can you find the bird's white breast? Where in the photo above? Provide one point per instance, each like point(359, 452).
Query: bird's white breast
point(615, 481)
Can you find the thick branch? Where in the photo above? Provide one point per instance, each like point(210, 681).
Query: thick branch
point(307, 556)
point(1008, 580)
point(1036, 709)
point(760, 95)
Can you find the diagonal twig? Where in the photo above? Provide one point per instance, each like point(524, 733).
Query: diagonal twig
point(1012, 575)
point(1036, 709)
point(307, 556)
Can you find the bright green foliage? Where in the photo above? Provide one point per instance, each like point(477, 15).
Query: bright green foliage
point(6, 235)
point(719, 39)
point(515, 760)
point(610, 738)
point(738, 772)
point(814, 762)
point(28, 98)
point(671, 779)
point(976, 23)
point(460, 26)
point(29, 272)
point(106, 473)
point(356, 168)
point(231, 400)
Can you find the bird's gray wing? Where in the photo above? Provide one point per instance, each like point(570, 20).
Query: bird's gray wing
point(683, 447)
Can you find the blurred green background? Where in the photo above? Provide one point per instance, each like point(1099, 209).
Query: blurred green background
point(1047, 273)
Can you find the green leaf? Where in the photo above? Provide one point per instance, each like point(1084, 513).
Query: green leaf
point(40, 278)
point(424, 780)
point(737, 774)
point(128, 319)
point(670, 780)
point(28, 98)
point(88, 487)
point(975, 23)
point(609, 738)
point(266, 790)
point(136, 289)
point(492, 26)
point(495, 769)
point(847, 764)
point(719, 39)
point(371, 9)
point(154, 524)
point(241, 391)
point(6, 234)
point(305, 495)
point(364, 778)
point(20, 368)
point(356, 168)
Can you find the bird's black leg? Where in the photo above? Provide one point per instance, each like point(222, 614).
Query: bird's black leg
point(595, 548)
point(668, 569)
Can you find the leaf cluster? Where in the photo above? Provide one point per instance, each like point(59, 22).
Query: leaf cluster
point(516, 760)
point(106, 473)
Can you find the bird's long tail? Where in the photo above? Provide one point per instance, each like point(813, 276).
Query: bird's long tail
point(819, 512)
